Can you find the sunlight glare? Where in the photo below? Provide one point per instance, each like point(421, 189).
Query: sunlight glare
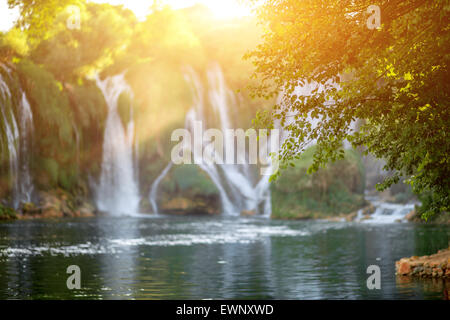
point(228, 9)
point(222, 9)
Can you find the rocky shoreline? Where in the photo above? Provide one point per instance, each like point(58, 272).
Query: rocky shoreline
point(58, 203)
point(52, 204)
point(432, 266)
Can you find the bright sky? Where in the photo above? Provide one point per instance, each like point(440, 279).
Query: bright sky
point(7, 16)
point(222, 9)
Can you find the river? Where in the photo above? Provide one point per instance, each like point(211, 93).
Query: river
point(172, 257)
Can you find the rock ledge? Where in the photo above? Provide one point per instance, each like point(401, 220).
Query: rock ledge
point(433, 266)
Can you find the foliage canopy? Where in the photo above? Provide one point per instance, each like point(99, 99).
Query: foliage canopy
point(394, 78)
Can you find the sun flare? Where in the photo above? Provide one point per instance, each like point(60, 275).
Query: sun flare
point(221, 9)
point(227, 9)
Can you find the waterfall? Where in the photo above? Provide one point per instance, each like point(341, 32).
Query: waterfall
point(18, 142)
point(239, 187)
point(386, 212)
point(154, 189)
point(25, 183)
point(12, 139)
point(117, 192)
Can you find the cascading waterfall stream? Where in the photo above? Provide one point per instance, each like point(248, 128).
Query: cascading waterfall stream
point(18, 136)
point(117, 192)
point(386, 212)
point(196, 113)
point(246, 191)
point(154, 189)
point(239, 186)
point(12, 137)
point(26, 127)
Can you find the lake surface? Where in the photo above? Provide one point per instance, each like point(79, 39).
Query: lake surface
point(212, 258)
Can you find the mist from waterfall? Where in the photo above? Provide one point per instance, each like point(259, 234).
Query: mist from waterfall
point(19, 142)
point(117, 192)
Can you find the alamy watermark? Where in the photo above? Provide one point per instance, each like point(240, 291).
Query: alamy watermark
point(374, 20)
point(213, 146)
point(74, 20)
point(374, 280)
point(74, 280)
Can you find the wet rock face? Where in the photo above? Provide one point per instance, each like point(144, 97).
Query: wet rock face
point(57, 204)
point(196, 205)
point(435, 266)
point(7, 213)
point(248, 212)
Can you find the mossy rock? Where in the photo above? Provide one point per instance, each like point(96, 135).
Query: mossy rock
point(188, 190)
point(7, 213)
point(199, 205)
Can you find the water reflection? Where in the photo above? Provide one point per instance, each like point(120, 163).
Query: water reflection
point(212, 258)
point(429, 286)
point(118, 269)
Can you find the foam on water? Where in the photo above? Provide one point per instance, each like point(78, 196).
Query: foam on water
point(386, 212)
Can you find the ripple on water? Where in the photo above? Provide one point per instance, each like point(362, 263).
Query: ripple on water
point(179, 234)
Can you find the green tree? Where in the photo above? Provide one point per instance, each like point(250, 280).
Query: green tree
point(394, 77)
point(103, 36)
point(37, 16)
